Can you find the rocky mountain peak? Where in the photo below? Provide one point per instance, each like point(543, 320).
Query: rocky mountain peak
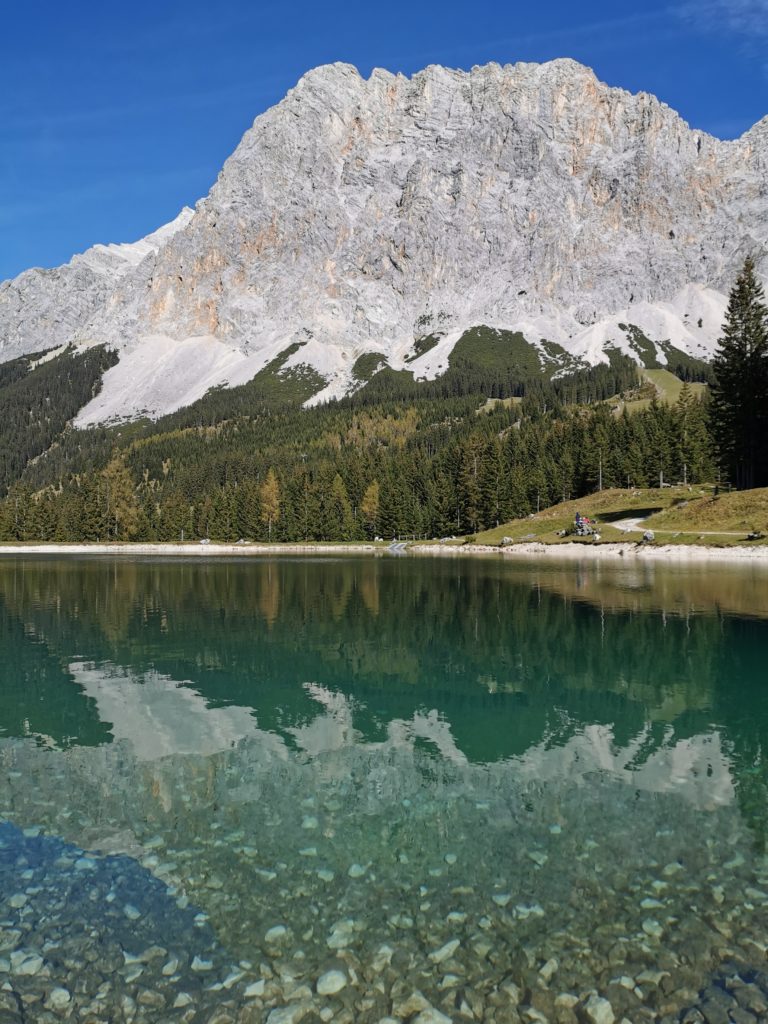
point(362, 213)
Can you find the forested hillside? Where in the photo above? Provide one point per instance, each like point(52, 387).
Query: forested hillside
point(38, 396)
point(473, 448)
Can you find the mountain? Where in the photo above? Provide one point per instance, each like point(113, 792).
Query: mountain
point(43, 309)
point(392, 215)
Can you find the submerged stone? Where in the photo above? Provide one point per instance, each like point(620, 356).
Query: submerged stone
point(25, 964)
point(652, 928)
point(331, 982)
point(445, 952)
point(289, 1014)
point(599, 1010)
point(432, 1016)
point(58, 999)
point(548, 970)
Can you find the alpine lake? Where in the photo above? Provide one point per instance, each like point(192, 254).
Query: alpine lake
point(409, 790)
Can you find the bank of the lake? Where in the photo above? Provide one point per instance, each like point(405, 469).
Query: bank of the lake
point(679, 553)
point(530, 550)
point(211, 550)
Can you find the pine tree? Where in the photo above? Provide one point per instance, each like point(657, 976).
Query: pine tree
point(173, 518)
point(693, 447)
point(248, 508)
point(490, 479)
point(338, 512)
point(470, 497)
point(739, 410)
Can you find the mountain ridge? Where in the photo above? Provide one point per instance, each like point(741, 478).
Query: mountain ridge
point(360, 215)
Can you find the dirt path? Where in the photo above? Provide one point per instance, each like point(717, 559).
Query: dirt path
point(634, 525)
point(628, 525)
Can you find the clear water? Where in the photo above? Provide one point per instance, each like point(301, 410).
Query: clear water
point(502, 791)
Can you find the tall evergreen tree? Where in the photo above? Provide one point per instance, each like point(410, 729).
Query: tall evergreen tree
point(739, 405)
point(692, 440)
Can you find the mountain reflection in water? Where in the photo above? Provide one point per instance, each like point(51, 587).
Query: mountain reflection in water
point(524, 765)
point(652, 674)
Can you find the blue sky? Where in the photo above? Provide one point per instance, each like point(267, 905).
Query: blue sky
point(115, 115)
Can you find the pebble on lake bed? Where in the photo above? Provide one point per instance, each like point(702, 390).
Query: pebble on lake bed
point(437, 956)
point(331, 982)
point(652, 928)
point(25, 964)
point(58, 999)
point(432, 1016)
point(548, 970)
point(599, 1010)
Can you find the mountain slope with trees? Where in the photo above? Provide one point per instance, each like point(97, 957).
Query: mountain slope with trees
point(398, 458)
point(496, 437)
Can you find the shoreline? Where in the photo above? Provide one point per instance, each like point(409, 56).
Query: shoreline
point(192, 550)
point(626, 551)
point(531, 550)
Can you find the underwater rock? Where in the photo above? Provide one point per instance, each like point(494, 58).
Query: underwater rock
point(331, 982)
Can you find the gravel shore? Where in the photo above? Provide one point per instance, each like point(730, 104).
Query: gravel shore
point(530, 550)
point(645, 552)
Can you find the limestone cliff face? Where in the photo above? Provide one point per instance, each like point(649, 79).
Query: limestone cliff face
point(359, 214)
point(41, 309)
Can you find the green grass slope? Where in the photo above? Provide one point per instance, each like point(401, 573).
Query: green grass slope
point(676, 515)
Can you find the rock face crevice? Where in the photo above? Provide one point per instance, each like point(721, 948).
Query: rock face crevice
point(356, 211)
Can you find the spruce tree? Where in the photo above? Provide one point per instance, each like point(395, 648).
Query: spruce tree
point(740, 392)
point(692, 453)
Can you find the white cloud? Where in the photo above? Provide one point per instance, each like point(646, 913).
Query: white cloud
point(744, 17)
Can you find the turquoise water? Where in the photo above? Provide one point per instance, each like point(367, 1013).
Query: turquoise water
point(351, 790)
